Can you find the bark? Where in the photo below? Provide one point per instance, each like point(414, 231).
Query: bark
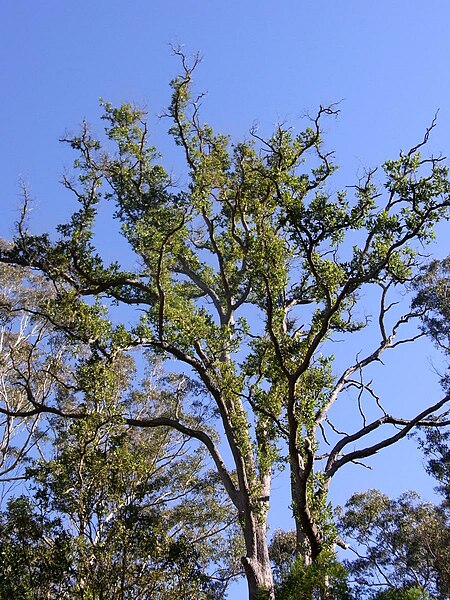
point(258, 570)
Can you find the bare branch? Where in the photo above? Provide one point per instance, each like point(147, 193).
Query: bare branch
point(334, 463)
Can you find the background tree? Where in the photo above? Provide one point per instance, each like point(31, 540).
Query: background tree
point(403, 545)
point(432, 296)
point(30, 356)
point(436, 447)
point(295, 580)
point(35, 556)
point(132, 516)
point(400, 545)
point(111, 512)
point(244, 277)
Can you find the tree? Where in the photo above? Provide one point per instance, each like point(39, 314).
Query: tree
point(30, 356)
point(132, 516)
point(432, 297)
point(245, 277)
point(401, 546)
point(406, 540)
point(34, 553)
point(111, 512)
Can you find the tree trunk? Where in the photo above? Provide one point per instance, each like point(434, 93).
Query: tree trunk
point(258, 570)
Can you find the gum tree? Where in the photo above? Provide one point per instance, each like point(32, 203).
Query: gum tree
point(112, 515)
point(106, 511)
point(242, 278)
point(398, 544)
point(22, 337)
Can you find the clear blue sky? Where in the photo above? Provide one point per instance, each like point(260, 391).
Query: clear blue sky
point(264, 61)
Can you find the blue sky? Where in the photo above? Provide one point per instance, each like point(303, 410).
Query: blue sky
point(264, 61)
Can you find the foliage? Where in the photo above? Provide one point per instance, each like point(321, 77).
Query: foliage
point(432, 297)
point(28, 358)
point(242, 277)
point(35, 553)
point(400, 544)
point(436, 447)
point(412, 593)
point(282, 553)
point(295, 580)
point(128, 518)
point(113, 511)
point(325, 578)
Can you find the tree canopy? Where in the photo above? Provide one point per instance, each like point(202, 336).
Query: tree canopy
point(399, 545)
point(242, 277)
point(109, 516)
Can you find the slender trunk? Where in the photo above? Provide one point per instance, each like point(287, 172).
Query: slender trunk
point(306, 528)
point(301, 462)
point(257, 567)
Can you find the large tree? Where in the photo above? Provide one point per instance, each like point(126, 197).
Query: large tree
point(242, 277)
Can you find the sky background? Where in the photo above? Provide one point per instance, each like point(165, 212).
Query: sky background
point(386, 62)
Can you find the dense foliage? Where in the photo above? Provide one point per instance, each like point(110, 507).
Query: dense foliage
point(115, 514)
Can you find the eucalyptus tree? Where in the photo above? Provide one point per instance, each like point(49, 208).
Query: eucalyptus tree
point(144, 516)
point(399, 545)
point(432, 297)
point(242, 279)
point(102, 511)
point(115, 516)
point(23, 362)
